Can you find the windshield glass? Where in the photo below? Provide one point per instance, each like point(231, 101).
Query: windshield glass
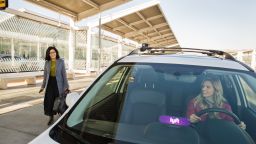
point(148, 103)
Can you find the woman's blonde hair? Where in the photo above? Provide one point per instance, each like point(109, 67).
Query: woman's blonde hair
point(218, 97)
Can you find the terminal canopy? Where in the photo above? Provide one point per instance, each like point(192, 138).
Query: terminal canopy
point(78, 9)
point(147, 25)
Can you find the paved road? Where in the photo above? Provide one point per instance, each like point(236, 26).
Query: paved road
point(21, 114)
point(21, 126)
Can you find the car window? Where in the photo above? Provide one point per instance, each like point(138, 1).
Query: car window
point(249, 93)
point(110, 87)
point(135, 102)
point(105, 88)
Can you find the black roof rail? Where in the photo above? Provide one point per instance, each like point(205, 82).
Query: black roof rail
point(162, 50)
point(245, 65)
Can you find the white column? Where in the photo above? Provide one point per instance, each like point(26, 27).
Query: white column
point(88, 49)
point(111, 54)
point(119, 52)
point(38, 49)
point(100, 47)
point(253, 62)
point(240, 56)
point(12, 51)
point(137, 45)
point(71, 45)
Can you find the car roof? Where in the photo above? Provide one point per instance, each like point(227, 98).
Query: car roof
point(195, 60)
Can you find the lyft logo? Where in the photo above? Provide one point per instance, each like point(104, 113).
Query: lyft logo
point(174, 120)
point(179, 121)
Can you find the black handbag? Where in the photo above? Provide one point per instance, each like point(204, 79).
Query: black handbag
point(62, 105)
point(56, 104)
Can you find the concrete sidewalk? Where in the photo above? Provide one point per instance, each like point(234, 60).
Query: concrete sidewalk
point(21, 126)
point(20, 88)
point(21, 96)
point(22, 117)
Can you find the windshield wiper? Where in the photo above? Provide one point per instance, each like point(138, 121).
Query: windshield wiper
point(74, 135)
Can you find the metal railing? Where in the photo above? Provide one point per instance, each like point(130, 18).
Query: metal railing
point(8, 65)
point(79, 64)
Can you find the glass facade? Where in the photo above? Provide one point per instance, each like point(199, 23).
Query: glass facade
point(5, 45)
point(109, 51)
point(80, 50)
point(126, 49)
point(29, 39)
point(247, 57)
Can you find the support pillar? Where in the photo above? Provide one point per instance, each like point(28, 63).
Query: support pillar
point(12, 51)
point(38, 50)
point(71, 48)
point(253, 62)
point(119, 52)
point(88, 50)
point(240, 56)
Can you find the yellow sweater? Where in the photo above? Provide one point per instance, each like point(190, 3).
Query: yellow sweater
point(53, 69)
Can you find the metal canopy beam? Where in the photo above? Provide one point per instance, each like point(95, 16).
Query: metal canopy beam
point(78, 9)
point(133, 28)
point(143, 18)
point(164, 43)
point(54, 7)
point(91, 3)
point(139, 22)
point(101, 8)
point(130, 34)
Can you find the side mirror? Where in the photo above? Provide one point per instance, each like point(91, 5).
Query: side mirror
point(72, 98)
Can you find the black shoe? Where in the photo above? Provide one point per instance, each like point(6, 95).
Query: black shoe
point(50, 121)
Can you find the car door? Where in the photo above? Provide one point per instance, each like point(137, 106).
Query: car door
point(248, 103)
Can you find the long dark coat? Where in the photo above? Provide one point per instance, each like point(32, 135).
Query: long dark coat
point(61, 80)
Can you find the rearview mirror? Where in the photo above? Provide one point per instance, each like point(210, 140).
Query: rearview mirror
point(72, 98)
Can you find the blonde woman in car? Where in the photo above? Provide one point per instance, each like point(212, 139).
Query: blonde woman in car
point(211, 96)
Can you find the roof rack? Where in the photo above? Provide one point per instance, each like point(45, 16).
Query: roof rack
point(145, 50)
point(162, 50)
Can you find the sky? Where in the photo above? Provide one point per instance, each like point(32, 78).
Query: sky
point(213, 24)
point(206, 24)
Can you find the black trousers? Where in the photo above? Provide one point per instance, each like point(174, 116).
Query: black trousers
point(50, 94)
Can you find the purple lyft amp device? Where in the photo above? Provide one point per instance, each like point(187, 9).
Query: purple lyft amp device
point(179, 121)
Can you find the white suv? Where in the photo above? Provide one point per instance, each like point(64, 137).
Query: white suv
point(143, 98)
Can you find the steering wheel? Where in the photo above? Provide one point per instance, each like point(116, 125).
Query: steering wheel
point(221, 110)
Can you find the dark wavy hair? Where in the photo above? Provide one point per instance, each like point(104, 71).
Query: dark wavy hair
point(47, 54)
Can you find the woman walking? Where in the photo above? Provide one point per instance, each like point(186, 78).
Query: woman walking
point(55, 81)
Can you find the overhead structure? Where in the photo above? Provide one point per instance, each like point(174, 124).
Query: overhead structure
point(147, 25)
point(78, 9)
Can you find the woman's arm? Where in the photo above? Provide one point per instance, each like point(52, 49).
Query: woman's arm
point(45, 75)
point(228, 108)
point(64, 75)
point(191, 112)
point(190, 108)
point(44, 79)
point(225, 116)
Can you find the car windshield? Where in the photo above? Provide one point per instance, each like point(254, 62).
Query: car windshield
point(147, 103)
